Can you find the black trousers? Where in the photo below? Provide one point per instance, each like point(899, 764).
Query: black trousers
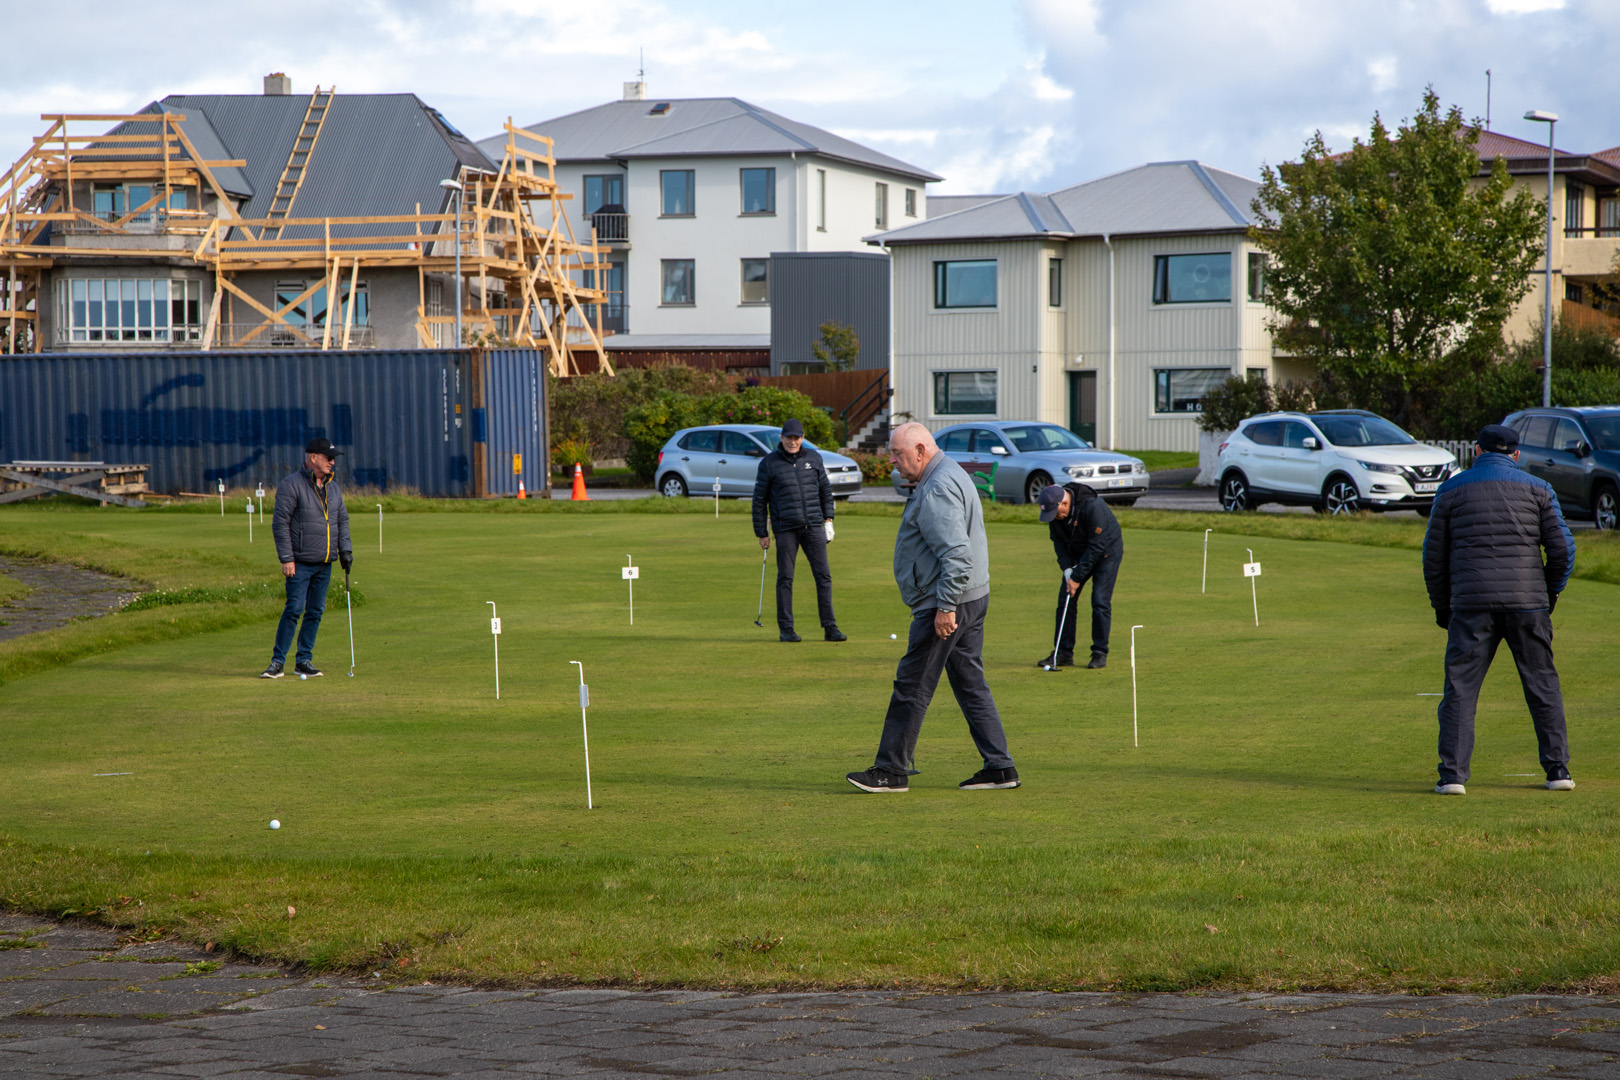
point(1102, 579)
point(813, 539)
point(1470, 647)
point(960, 658)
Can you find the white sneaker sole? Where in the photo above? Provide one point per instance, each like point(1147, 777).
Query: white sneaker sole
point(989, 787)
point(1560, 785)
point(1450, 789)
point(879, 790)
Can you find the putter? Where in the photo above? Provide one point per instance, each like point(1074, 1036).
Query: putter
point(763, 556)
point(350, 604)
point(1063, 619)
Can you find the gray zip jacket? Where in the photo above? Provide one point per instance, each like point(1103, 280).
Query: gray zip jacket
point(941, 559)
point(311, 524)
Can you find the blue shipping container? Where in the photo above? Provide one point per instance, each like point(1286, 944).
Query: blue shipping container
point(446, 422)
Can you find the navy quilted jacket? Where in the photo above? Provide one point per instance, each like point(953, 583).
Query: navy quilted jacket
point(1486, 534)
point(794, 487)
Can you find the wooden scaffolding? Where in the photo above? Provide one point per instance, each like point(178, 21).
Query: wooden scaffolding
point(526, 281)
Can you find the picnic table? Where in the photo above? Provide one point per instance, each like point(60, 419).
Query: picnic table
point(88, 479)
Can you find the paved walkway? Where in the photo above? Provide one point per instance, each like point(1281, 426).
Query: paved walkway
point(74, 1004)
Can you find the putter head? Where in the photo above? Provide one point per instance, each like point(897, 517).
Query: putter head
point(759, 624)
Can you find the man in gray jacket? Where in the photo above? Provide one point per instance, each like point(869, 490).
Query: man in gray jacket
point(942, 565)
point(311, 528)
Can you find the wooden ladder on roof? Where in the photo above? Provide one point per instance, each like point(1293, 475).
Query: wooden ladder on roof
point(292, 177)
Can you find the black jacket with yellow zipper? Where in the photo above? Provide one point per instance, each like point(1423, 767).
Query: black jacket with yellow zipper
point(311, 523)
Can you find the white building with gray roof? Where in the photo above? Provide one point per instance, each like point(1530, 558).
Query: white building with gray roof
point(1110, 307)
point(692, 196)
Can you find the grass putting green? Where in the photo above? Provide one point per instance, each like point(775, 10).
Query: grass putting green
point(1273, 829)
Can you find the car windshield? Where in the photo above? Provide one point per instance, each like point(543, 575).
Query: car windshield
point(772, 438)
point(1605, 432)
point(1362, 431)
point(1036, 438)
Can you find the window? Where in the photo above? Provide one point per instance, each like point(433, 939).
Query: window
point(882, 206)
point(129, 309)
point(911, 202)
point(956, 442)
point(1054, 282)
point(1574, 207)
point(1183, 389)
point(1192, 279)
point(1257, 374)
point(756, 281)
point(1608, 215)
point(1567, 436)
point(821, 200)
point(1039, 438)
point(603, 191)
point(1573, 291)
point(986, 441)
point(1258, 262)
point(967, 283)
point(675, 189)
point(704, 442)
point(112, 201)
point(677, 282)
point(435, 309)
point(736, 442)
point(312, 311)
point(1352, 430)
point(758, 191)
point(1295, 433)
point(964, 393)
point(1538, 431)
point(1268, 433)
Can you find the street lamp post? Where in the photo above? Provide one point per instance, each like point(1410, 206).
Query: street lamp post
point(455, 188)
point(1551, 120)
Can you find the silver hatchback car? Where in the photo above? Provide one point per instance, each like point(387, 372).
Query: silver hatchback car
point(1023, 457)
point(695, 460)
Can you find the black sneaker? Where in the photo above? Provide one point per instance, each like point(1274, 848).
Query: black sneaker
point(985, 779)
point(307, 669)
point(1558, 779)
point(273, 671)
point(1098, 660)
point(876, 780)
point(788, 635)
point(832, 633)
point(1064, 659)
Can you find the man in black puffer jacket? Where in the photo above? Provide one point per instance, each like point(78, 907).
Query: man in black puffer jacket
point(311, 529)
point(792, 482)
point(1087, 540)
point(1486, 579)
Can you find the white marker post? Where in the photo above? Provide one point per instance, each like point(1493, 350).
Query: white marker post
point(629, 574)
point(250, 520)
point(1204, 588)
point(1134, 739)
point(717, 499)
point(585, 703)
point(222, 497)
point(1251, 570)
point(379, 528)
point(259, 491)
point(495, 632)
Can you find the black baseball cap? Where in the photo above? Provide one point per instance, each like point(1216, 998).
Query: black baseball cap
point(792, 428)
point(323, 446)
point(1498, 439)
point(1050, 498)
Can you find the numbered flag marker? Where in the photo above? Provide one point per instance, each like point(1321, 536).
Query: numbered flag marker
point(259, 491)
point(250, 520)
point(222, 497)
point(629, 574)
point(585, 730)
point(495, 626)
point(1251, 570)
point(495, 636)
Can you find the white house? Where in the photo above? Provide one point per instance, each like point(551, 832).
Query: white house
point(1110, 307)
point(692, 195)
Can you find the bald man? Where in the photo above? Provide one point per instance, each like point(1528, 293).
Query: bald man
point(942, 565)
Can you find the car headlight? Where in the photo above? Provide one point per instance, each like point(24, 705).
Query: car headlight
point(1371, 466)
point(1078, 471)
point(1138, 467)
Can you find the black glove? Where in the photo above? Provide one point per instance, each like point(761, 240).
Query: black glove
point(1552, 603)
point(347, 559)
point(1442, 618)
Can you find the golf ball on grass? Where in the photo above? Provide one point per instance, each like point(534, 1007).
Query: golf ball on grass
point(274, 824)
point(301, 675)
point(894, 637)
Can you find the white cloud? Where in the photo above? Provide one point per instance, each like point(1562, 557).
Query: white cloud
point(1523, 7)
point(1382, 72)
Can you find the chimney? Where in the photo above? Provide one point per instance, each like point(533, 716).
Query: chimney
point(635, 91)
point(277, 84)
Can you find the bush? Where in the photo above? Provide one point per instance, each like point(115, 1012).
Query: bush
point(1235, 400)
point(648, 427)
point(570, 452)
point(592, 408)
point(874, 467)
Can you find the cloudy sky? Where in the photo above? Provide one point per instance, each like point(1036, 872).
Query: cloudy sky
point(994, 95)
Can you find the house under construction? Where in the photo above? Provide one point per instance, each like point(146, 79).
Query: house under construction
point(263, 221)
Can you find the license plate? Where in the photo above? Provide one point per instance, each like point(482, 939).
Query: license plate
point(1426, 488)
point(1123, 481)
point(847, 478)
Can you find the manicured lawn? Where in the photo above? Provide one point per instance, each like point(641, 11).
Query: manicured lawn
point(1165, 459)
point(1274, 827)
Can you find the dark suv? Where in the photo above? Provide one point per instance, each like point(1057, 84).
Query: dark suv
point(1577, 451)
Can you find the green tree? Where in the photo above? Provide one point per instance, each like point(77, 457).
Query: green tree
point(839, 346)
point(1388, 257)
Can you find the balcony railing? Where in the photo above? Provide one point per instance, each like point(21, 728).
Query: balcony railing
point(261, 335)
point(1581, 232)
point(611, 228)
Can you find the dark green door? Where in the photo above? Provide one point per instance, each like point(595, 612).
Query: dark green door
point(1083, 404)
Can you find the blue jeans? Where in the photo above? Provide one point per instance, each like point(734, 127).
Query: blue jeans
point(306, 597)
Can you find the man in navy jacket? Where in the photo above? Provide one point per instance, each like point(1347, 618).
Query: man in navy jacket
point(1085, 535)
point(791, 489)
point(1482, 563)
point(311, 529)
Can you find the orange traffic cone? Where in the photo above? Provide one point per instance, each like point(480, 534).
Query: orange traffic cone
point(579, 485)
point(521, 493)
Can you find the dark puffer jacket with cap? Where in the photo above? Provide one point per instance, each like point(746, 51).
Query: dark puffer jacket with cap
point(1487, 530)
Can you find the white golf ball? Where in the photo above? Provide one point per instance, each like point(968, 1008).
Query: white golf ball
point(894, 637)
point(302, 676)
point(274, 824)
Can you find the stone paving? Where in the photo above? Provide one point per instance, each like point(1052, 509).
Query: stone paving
point(73, 1003)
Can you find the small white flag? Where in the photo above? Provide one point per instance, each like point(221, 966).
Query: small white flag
point(1251, 569)
point(495, 626)
point(630, 573)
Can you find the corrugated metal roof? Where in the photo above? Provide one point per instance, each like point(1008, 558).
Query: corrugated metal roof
point(1164, 197)
point(620, 130)
point(940, 205)
point(202, 136)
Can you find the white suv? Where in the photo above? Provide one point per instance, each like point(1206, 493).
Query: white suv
point(1338, 461)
